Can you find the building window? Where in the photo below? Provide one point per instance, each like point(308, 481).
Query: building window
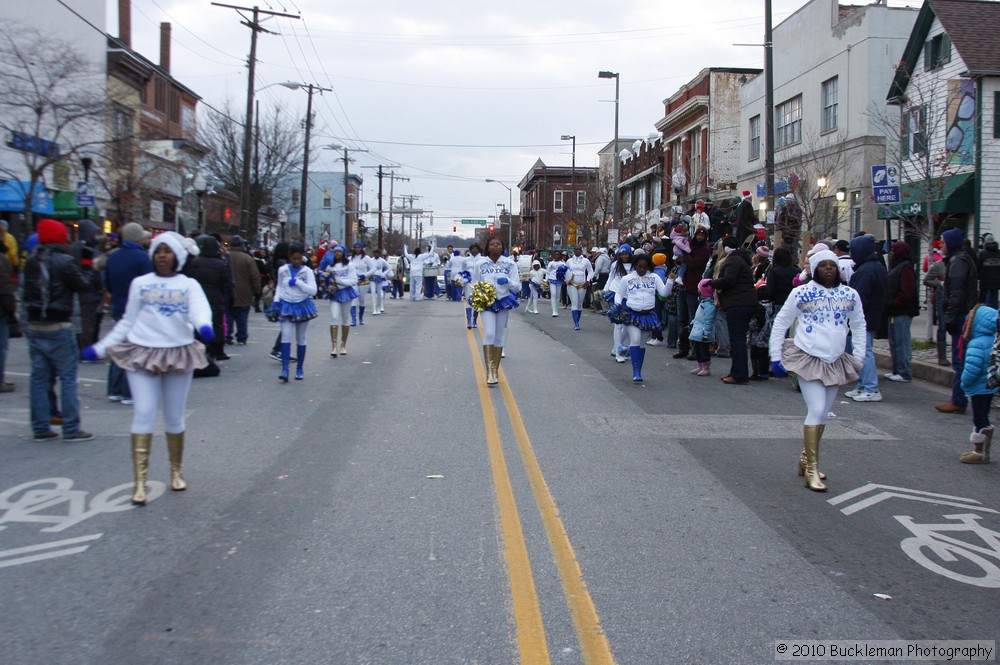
point(996, 115)
point(855, 212)
point(121, 134)
point(327, 198)
point(937, 52)
point(640, 198)
point(830, 94)
point(754, 138)
point(581, 202)
point(160, 95)
point(295, 198)
point(175, 106)
point(696, 160)
point(557, 201)
point(788, 123)
point(913, 133)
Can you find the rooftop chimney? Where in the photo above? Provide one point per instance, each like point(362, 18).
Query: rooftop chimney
point(125, 22)
point(165, 47)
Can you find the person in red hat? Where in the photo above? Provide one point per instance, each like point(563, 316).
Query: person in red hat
point(51, 279)
point(746, 217)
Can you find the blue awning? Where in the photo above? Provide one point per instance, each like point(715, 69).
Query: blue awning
point(12, 193)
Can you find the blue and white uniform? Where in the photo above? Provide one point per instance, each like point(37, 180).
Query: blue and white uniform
point(636, 297)
point(502, 274)
point(344, 278)
point(555, 274)
point(610, 289)
point(579, 274)
point(364, 267)
point(381, 274)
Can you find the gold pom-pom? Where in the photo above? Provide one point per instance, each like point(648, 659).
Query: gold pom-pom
point(484, 294)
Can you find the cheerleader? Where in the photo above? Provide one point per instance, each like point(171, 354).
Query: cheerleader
point(501, 272)
point(555, 272)
point(826, 311)
point(578, 275)
point(535, 279)
point(621, 267)
point(294, 288)
point(339, 279)
point(154, 343)
point(635, 304)
point(466, 275)
point(380, 276)
point(364, 266)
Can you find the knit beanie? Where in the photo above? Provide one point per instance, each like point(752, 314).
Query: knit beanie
point(819, 257)
point(133, 232)
point(51, 232)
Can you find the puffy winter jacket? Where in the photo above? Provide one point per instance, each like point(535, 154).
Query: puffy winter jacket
point(961, 288)
point(982, 331)
point(870, 279)
point(735, 282)
point(51, 278)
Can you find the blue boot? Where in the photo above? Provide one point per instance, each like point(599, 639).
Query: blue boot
point(638, 354)
point(354, 315)
point(361, 315)
point(475, 318)
point(300, 353)
point(576, 319)
point(468, 318)
point(286, 356)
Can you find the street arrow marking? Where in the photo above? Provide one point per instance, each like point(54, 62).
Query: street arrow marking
point(902, 493)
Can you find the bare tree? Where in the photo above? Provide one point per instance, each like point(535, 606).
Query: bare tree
point(279, 152)
point(52, 105)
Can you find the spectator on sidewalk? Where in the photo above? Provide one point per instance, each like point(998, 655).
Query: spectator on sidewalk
point(902, 308)
point(845, 263)
point(124, 264)
point(934, 266)
point(870, 279)
point(246, 280)
point(961, 293)
point(8, 312)
point(989, 271)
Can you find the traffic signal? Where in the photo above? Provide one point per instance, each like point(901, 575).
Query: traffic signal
point(454, 228)
point(491, 228)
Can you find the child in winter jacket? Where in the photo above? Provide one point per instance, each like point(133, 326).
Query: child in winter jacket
point(978, 337)
point(682, 247)
point(703, 328)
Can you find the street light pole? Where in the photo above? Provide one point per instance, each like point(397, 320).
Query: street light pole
point(572, 173)
point(510, 203)
point(614, 200)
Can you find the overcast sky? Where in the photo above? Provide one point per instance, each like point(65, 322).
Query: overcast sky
point(457, 92)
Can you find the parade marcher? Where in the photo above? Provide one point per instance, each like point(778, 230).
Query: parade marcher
point(467, 278)
point(602, 268)
point(52, 277)
point(738, 299)
point(826, 311)
point(902, 307)
point(579, 273)
point(961, 287)
point(555, 272)
point(123, 265)
point(871, 280)
point(339, 279)
point(154, 343)
point(294, 289)
point(500, 272)
point(621, 267)
point(380, 275)
point(979, 336)
point(636, 294)
point(364, 267)
point(454, 266)
point(535, 279)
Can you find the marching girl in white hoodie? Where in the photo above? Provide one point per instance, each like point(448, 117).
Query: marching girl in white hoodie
point(339, 279)
point(555, 272)
point(635, 306)
point(364, 266)
point(154, 343)
point(380, 277)
point(467, 277)
point(535, 279)
point(578, 275)
point(295, 286)
point(621, 267)
point(826, 311)
point(501, 272)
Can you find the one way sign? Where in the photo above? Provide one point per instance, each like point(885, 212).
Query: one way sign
point(885, 183)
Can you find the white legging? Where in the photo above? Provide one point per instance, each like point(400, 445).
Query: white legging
point(147, 390)
point(378, 297)
point(296, 329)
point(576, 297)
point(494, 327)
point(617, 336)
point(819, 400)
point(555, 292)
point(533, 303)
point(340, 312)
point(362, 294)
point(416, 284)
point(634, 335)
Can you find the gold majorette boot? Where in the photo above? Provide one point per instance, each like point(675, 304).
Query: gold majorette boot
point(344, 330)
point(811, 435)
point(140, 465)
point(334, 340)
point(802, 457)
point(175, 448)
point(491, 364)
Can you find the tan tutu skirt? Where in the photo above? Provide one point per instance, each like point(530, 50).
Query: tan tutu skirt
point(841, 371)
point(133, 358)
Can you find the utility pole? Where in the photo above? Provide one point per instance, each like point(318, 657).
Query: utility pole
point(392, 183)
point(381, 210)
point(310, 89)
point(255, 27)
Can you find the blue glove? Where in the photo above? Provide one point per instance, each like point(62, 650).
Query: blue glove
point(89, 354)
point(291, 282)
point(206, 333)
point(778, 370)
point(502, 280)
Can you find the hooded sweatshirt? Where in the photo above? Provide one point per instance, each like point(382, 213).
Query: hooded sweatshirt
point(870, 280)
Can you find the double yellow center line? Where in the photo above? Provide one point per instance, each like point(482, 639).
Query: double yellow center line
point(531, 637)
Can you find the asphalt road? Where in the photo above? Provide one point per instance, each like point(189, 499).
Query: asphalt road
point(383, 511)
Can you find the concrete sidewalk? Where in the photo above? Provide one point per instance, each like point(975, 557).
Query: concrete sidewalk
point(925, 362)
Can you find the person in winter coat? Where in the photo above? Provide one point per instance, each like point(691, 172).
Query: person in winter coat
point(687, 301)
point(989, 271)
point(979, 335)
point(702, 333)
point(738, 299)
point(745, 218)
point(961, 294)
point(871, 280)
point(124, 264)
point(903, 306)
point(85, 250)
point(246, 280)
point(212, 274)
point(8, 313)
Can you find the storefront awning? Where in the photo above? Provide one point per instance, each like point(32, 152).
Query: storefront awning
point(653, 170)
point(12, 193)
point(64, 204)
point(954, 194)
